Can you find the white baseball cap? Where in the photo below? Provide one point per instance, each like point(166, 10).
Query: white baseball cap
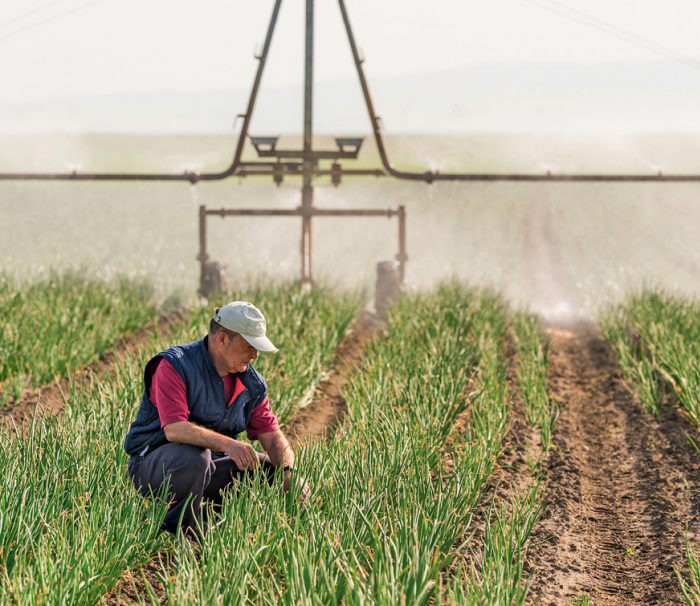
point(246, 320)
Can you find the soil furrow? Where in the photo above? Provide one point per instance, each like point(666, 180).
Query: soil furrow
point(621, 486)
point(51, 396)
point(328, 408)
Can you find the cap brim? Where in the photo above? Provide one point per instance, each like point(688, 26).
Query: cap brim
point(261, 343)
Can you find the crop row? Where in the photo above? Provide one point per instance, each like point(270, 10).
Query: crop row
point(532, 376)
point(656, 338)
point(54, 325)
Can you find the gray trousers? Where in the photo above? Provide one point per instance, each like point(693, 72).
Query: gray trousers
point(194, 475)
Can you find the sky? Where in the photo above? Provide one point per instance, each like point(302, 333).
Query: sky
point(68, 48)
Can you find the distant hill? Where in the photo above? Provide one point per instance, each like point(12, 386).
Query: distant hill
point(647, 97)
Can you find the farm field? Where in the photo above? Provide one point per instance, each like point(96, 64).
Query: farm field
point(79, 318)
point(391, 507)
point(520, 429)
point(69, 512)
point(655, 335)
point(516, 467)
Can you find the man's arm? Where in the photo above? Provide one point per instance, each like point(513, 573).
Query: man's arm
point(277, 447)
point(185, 432)
point(169, 395)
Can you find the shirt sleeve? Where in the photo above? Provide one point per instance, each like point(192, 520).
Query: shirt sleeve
point(169, 394)
point(263, 420)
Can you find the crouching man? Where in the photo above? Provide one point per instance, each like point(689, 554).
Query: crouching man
point(197, 398)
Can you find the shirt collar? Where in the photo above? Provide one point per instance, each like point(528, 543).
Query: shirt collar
point(239, 386)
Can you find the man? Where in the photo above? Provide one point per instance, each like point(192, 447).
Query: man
point(197, 398)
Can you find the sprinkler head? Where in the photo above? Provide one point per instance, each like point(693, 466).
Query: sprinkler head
point(278, 173)
point(335, 173)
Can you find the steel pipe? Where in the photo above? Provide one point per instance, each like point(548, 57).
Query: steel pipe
point(191, 176)
point(430, 176)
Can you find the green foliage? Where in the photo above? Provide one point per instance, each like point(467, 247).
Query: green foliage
point(620, 326)
point(393, 496)
point(397, 489)
point(532, 375)
point(70, 521)
point(55, 325)
point(496, 575)
point(689, 579)
point(657, 339)
point(499, 578)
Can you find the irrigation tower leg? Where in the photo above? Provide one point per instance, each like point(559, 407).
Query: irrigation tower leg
point(202, 257)
point(307, 190)
point(307, 193)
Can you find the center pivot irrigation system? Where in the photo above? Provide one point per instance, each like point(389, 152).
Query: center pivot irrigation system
point(306, 163)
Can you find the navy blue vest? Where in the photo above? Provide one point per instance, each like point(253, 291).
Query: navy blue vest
point(205, 397)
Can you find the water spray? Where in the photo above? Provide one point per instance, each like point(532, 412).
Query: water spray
point(306, 163)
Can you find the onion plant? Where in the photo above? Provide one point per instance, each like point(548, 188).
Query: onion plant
point(532, 375)
point(620, 325)
point(498, 577)
point(657, 340)
point(70, 521)
point(492, 573)
point(689, 579)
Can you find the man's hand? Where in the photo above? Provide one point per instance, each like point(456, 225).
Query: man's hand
point(184, 432)
point(243, 455)
point(291, 480)
point(281, 455)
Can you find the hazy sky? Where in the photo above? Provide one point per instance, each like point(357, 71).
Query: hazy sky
point(67, 47)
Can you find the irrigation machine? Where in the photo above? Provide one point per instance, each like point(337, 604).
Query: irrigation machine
point(309, 163)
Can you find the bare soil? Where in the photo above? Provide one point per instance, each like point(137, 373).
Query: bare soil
point(51, 396)
point(621, 486)
point(326, 411)
point(132, 584)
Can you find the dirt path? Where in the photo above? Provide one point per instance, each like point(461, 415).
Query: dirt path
point(50, 396)
point(327, 409)
point(619, 487)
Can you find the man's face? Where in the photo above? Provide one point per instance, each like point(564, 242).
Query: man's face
point(237, 353)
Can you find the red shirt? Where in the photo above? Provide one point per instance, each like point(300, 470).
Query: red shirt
point(169, 394)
